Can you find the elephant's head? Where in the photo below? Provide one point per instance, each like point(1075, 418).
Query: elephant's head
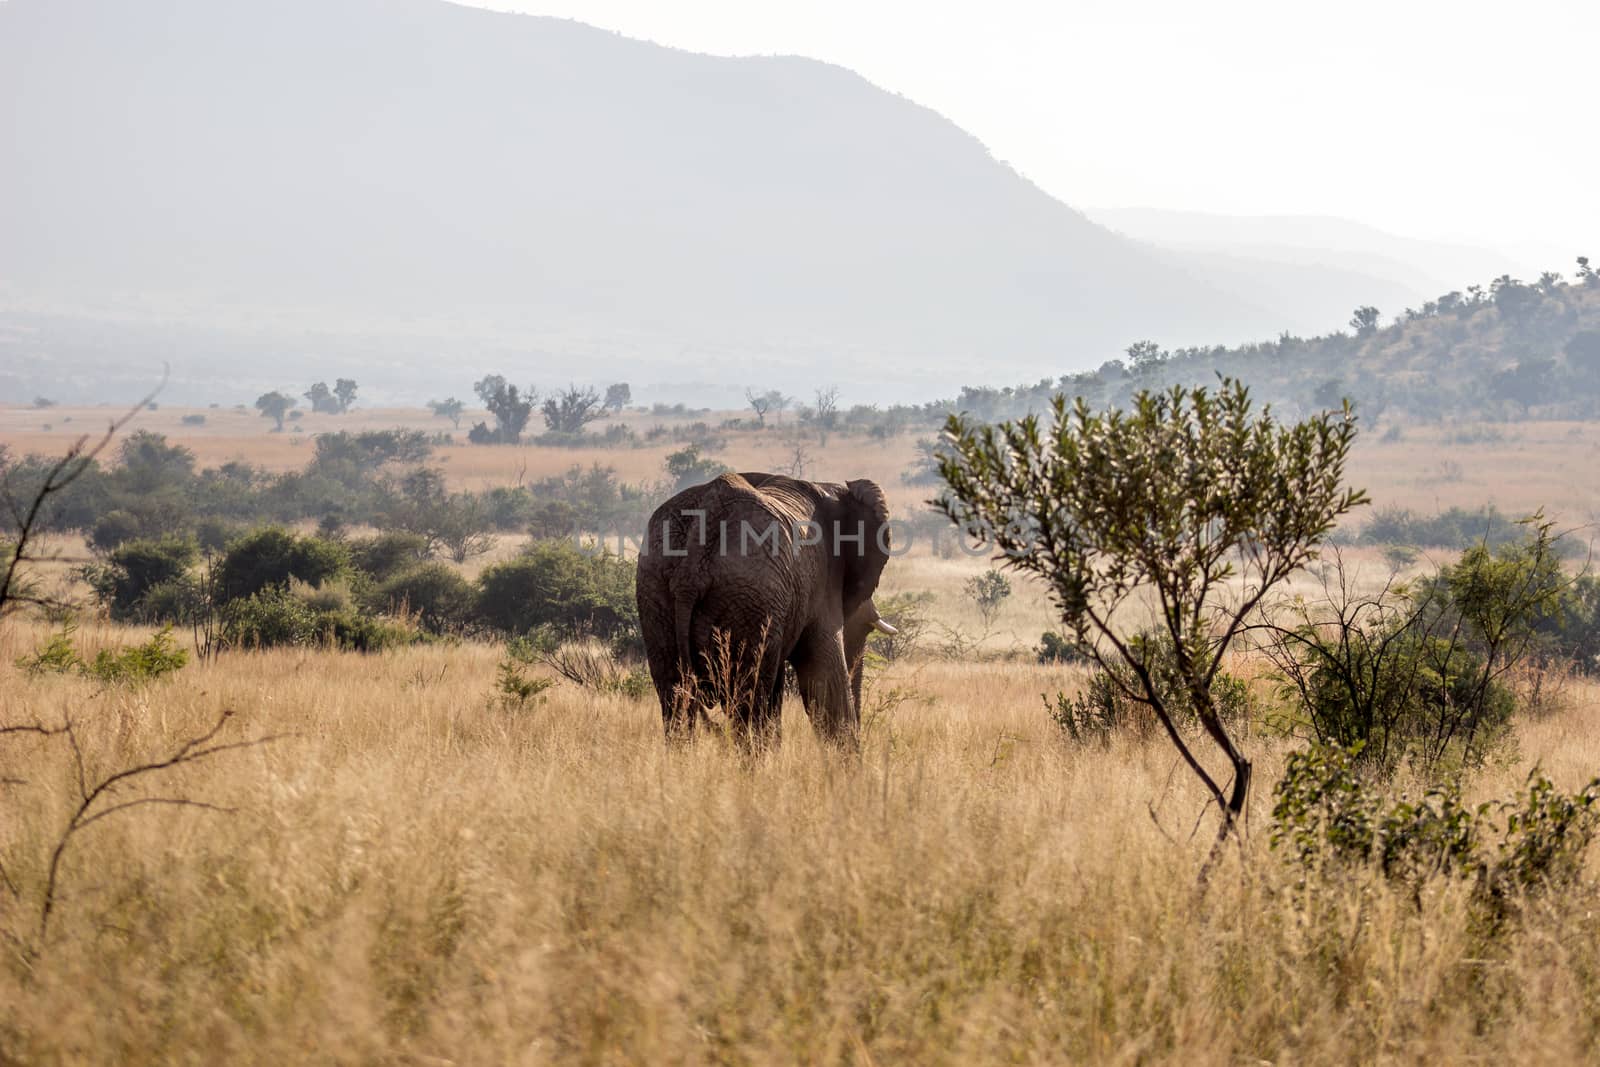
point(865, 509)
point(863, 531)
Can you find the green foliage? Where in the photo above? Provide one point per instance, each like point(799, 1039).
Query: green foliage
point(139, 664)
point(1054, 647)
point(1415, 673)
point(133, 665)
point(440, 598)
point(552, 583)
point(988, 591)
point(58, 655)
point(1456, 527)
point(275, 617)
point(1184, 498)
point(388, 554)
point(511, 410)
point(518, 688)
point(136, 568)
point(270, 557)
point(1113, 700)
point(275, 406)
point(1327, 817)
point(687, 467)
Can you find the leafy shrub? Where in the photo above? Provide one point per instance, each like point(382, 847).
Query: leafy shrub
point(271, 556)
point(115, 528)
point(58, 655)
point(1055, 647)
point(276, 617)
point(518, 688)
point(137, 567)
point(440, 598)
point(388, 554)
point(268, 619)
point(1106, 705)
point(1327, 816)
point(553, 584)
point(133, 665)
point(908, 614)
point(1417, 673)
point(194, 420)
point(139, 664)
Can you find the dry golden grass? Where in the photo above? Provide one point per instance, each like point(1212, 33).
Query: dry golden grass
point(418, 875)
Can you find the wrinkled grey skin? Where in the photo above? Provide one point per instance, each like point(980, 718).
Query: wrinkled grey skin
point(812, 603)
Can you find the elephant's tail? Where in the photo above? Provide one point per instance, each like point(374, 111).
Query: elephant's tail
point(682, 618)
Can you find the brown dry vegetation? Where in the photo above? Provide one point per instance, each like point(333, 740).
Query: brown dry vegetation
point(419, 874)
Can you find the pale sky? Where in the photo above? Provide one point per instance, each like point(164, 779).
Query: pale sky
point(1466, 121)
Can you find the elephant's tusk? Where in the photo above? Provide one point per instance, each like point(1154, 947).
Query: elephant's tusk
point(884, 628)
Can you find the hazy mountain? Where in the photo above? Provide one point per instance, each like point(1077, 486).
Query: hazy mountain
point(426, 192)
point(1402, 271)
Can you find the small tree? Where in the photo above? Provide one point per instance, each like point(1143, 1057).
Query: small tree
point(322, 398)
point(570, 410)
point(449, 408)
point(275, 406)
point(1365, 320)
point(344, 394)
point(988, 591)
point(827, 412)
point(511, 409)
point(618, 396)
point(1190, 498)
point(760, 403)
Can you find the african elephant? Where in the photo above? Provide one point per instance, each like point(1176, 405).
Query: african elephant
point(779, 570)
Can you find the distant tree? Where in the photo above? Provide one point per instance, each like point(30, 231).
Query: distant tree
point(344, 393)
point(511, 410)
point(322, 399)
point(571, 409)
point(449, 408)
point(1514, 300)
point(688, 467)
point(1587, 274)
point(275, 406)
point(618, 396)
point(760, 403)
point(826, 412)
point(1365, 320)
point(777, 402)
point(1583, 354)
point(1548, 282)
point(42, 402)
point(1146, 356)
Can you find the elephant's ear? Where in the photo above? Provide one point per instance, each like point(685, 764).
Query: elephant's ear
point(866, 504)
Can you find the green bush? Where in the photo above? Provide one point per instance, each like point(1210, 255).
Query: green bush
point(138, 664)
point(1105, 706)
point(441, 599)
point(388, 554)
point(271, 556)
point(277, 617)
point(133, 665)
point(1055, 647)
point(1328, 818)
point(552, 583)
point(137, 567)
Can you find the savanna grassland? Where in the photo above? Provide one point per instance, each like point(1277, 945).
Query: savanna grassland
point(410, 869)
